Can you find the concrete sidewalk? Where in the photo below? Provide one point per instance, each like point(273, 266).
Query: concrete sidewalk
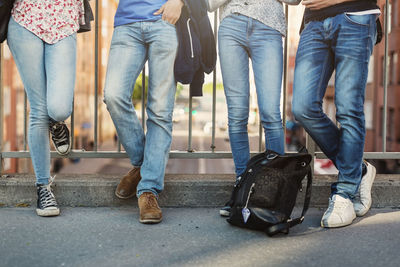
point(190, 237)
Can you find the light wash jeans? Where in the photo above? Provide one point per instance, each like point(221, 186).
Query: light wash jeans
point(131, 46)
point(48, 74)
point(241, 38)
point(343, 43)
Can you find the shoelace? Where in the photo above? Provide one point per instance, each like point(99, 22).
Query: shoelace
point(46, 195)
point(151, 202)
point(59, 133)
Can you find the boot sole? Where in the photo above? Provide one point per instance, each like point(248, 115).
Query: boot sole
point(150, 221)
point(122, 197)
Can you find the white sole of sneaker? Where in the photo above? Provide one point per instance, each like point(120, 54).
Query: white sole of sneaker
point(337, 225)
point(224, 213)
point(48, 212)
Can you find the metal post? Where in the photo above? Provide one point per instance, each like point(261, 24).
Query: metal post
point(96, 73)
point(214, 103)
point(143, 97)
point(190, 149)
point(72, 124)
point(385, 77)
point(1, 108)
point(25, 121)
point(310, 145)
point(285, 70)
point(260, 132)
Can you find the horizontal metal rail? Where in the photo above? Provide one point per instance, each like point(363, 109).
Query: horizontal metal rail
point(180, 154)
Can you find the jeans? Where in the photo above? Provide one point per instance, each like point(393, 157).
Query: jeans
point(343, 43)
point(131, 45)
point(48, 74)
point(241, 38)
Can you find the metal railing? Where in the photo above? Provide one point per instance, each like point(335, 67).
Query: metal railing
point(189, 153)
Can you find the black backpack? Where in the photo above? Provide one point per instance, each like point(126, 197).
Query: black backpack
point(265, 195)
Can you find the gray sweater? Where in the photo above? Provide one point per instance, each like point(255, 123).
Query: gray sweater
point(269, 12)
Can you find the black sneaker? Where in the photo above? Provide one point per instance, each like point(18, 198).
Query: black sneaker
point(225, 211)
point(46, 202)
point(60, 136)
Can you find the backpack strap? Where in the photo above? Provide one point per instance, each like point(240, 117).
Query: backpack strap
point(284, 227)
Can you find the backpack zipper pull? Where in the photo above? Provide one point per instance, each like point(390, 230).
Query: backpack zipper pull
point(245, 211)
point(250, 192)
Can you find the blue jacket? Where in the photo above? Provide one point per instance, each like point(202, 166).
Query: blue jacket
point(196, 52)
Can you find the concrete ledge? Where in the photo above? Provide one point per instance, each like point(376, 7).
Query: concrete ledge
point(211, 190)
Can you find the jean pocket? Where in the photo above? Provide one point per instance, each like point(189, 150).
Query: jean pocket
point(167, 23)
point(362, 20)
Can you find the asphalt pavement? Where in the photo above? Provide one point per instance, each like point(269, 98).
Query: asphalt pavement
point(190, 237)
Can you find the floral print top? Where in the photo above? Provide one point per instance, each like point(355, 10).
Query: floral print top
point(50, 20)
point(269, 12)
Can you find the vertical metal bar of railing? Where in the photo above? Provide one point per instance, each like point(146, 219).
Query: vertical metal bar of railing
point(214, 103)
point(260, 134)
point(72, 135)
point(285, 70)
point(385, 76)
point(96, 74)
point(190, 149)
point(1, 109)
point(25, 121)
point(310, 145)
point(143, 97)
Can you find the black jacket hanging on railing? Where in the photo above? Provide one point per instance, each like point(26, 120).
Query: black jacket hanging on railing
point(196, 52)
point(5, 14)
point(88, 18)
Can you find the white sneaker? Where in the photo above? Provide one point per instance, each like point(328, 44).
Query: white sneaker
point(363, 199)
point(339, 213)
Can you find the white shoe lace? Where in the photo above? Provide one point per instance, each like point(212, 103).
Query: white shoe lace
point(46, 196)
point(59, 133)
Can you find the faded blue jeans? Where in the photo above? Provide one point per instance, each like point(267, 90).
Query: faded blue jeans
point(131, 46)
point(241, 38)
point(48, 74)
point(342, 43)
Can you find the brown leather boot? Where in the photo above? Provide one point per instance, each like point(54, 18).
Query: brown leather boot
point(150, 212)
point(127, 186)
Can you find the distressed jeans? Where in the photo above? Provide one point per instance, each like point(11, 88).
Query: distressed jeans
point(131, 45)
point(342, 43)
point(48, 74)
point(240, 38)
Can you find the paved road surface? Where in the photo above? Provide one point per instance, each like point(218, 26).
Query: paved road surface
point(189, 237)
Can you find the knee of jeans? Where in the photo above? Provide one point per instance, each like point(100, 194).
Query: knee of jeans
point(59, 111)
point(114, 101)
point(38, 118)
point(160, 116)
point(237, 126)
point(270, 115)
point(303, 110)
